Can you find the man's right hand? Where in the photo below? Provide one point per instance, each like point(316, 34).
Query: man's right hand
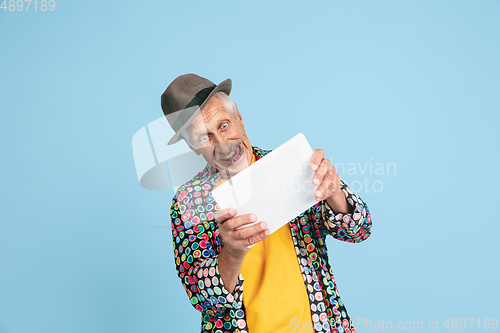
point(236, 242)
point(238, 232)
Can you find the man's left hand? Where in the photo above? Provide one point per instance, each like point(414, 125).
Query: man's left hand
point(328, 183)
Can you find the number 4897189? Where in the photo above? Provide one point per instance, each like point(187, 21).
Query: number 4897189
point(19, 5)
point(462, 323)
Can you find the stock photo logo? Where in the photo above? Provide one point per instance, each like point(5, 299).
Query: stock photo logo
point(367, 177)
point(160, 166)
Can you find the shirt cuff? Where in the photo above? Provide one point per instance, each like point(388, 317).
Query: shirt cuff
point(351, 227)
point(213, 298)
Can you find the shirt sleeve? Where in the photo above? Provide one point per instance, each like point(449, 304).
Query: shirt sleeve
point(354, 227)
point(196, 248)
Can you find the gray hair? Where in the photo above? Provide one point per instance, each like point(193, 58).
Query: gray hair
point(228, 104)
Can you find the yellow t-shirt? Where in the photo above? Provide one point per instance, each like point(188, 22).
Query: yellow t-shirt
point(274, 294)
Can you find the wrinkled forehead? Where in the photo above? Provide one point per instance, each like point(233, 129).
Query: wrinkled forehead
point(207, 121)
point(198, 122)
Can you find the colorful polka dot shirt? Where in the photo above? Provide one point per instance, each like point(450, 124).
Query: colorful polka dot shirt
point(197, 244)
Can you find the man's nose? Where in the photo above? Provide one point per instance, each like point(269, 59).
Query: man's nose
point(219, 139)
point(221, 144)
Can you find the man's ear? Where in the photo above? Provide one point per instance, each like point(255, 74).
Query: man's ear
point(238, 114)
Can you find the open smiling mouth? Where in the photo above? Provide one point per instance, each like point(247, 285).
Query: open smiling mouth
point(235, 156)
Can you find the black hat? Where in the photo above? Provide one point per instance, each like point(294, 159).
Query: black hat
point(186, 95)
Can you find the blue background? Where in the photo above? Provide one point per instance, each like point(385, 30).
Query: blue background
point(83, 248)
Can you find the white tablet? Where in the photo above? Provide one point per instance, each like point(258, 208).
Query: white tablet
point(276, 188)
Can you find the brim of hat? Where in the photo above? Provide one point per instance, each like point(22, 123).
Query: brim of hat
point(224, 86)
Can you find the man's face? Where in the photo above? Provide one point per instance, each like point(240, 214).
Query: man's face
point(219, 135)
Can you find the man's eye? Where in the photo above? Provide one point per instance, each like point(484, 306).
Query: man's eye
point(203, 138)
point(224, 126)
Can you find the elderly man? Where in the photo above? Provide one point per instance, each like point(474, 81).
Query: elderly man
point(282, 283)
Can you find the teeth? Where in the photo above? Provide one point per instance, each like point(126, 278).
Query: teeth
point(234, 156)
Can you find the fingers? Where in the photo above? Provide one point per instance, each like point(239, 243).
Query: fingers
point(324, 168)
point(257, 238)
point(224, 214)
point(318, 156)
point(239, 221)
point(241, 231)
point(242, 226)
point(329, 186)
point(327, 180)
point(251, 234)
point(228, 217)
